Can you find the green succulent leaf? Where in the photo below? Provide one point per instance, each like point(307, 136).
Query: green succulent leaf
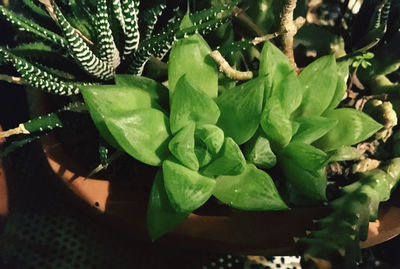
point(259, 152)
point(241, 109)
point(182, 147)
point(156, 90)
point(191, 57)
point(107, 101)
point(305, 155)
point(303, 167)
point(274, 64)
point(187, 189)
point(161, 216)
point(253, 189)
point(202, 152)
point(142, 133)
point(344, 153)
point(282, 83)
point(212, 136)
point(312, 128)
point(189, 104)
point(353, 126)
point(341, 86)
point(229, 160)
point(276, 123)
point(319, 80)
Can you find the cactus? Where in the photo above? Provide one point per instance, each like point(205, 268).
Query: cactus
point(340, 232)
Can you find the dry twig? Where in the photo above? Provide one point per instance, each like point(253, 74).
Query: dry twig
point(229, 71)
point(12, 79)
point(288, 29)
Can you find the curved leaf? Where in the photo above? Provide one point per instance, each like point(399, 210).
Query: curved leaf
point(353, 126)
point(187, 190)
point(319, 80)
point(182, 147)
point(313, 127)
point(307, 156)
point(241, 109)
point(276, 124)
point(343, 73)
point(161, 216)
point(229, 160)
point(274, 64)
point(191, 57)
point(212, 136)
point(282, 83)
point(189, 104)
point(303, 166)
point(107, 101)
point(142, 133)
point(253, 189)
point(259, 152)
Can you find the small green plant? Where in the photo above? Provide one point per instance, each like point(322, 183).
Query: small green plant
point(362, 60)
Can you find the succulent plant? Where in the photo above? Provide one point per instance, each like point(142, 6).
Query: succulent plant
point(95, 38)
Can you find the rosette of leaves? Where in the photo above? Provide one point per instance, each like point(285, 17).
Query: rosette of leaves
point(196, 135)
point(74, 43)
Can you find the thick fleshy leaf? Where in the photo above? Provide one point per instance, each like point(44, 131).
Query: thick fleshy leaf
point(319, 80)
point(258, 151)
point(276, 124)
point(306, 156)
point(311, 184)
point(212, 136)
point(189, 104)
point(142, 133)
point(191, 57)
point(187, 190)
point(156, 90)
point(312, 128)
point(344, 153)
point(303, 167)
point(182, 147)
point(229, 160)
point(161, 216)
point(353, 126)
point(341, 86)
point(281, 79)
point(106, 101)
point(241, 109)
point(289, 92)
point(202, 153)
point(274, 64)
point(253, 189)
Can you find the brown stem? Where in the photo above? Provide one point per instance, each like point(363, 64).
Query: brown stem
point(227, 69)
point(289, 29)
point(299, 22)
point(12, 79)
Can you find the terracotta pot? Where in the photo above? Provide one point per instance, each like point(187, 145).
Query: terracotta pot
point(256, 233)
point(245, 232)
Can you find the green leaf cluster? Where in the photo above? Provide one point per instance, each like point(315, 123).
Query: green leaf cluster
point(228, 145)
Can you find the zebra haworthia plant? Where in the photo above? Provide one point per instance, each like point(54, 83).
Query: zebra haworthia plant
point(262, 144)
point(101, 38)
